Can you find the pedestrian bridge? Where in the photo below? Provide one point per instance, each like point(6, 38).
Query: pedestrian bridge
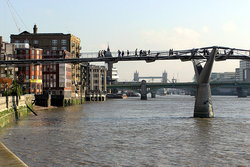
point(202, 58)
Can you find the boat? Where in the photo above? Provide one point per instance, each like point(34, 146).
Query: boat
point(116, 96)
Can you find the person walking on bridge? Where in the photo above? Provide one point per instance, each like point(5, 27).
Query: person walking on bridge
point(136, 52)
point(119, 53)
point(122, 53)
point(127, 52)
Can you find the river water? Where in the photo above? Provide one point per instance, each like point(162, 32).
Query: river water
point(157, 132)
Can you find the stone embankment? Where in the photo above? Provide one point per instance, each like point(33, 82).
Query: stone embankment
point(12, 109)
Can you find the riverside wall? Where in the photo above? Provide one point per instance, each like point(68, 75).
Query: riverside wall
point(10, 111)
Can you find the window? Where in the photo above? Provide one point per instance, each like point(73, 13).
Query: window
point(26, 41)
point(35, 42)
point(53, 48)
point(27, 68)
point(37, 77)
point(63, 41)
point(33, 52)
point(33, 77)
point(27, 51)
point(33, 86)
point(38, 87)
point(54, 42)
point(27, 77)
point(33, 68)
point(64, 48)
point(37, 52)
point(17, 41)
point(37, 68)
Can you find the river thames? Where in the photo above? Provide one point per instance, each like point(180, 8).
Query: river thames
point(158, 132)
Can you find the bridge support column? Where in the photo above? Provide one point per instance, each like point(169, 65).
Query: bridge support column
point(203, 102)
point(241, 92)
point(153, 94)
point(143, 90)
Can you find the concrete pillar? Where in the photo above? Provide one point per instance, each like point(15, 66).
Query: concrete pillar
point(241, 92)
point(143, 90)
point(203, 102)
point(153, 94)
point(109, 72)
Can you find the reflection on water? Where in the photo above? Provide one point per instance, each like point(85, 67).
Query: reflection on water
point(130, 132)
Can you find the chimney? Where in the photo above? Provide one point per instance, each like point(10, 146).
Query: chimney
point(35, 29)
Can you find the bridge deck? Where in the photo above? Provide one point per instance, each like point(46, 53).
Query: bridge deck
point(224, 53)
point(137, 85)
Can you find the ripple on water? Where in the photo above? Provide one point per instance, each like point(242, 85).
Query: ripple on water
point(130, 132)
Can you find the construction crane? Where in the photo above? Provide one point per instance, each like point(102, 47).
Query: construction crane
point(14, 14)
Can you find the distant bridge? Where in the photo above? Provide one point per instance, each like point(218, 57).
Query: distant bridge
point(153, 87)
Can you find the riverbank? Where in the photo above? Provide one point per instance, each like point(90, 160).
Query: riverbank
point(7, 158)
point(12, 109)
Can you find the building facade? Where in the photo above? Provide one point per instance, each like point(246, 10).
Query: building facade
point(29, 75)
point(54, 42)
point(244, 71)
point(97, 79)
point(57, 77)
point(7, 51)
point(226, 76)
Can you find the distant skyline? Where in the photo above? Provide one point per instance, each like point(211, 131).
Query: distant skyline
point(142, 24)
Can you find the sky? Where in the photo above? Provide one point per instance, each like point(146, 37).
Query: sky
point(143, 24)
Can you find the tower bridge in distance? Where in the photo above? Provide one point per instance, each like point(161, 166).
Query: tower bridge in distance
point(203, 103)
point(164, 77)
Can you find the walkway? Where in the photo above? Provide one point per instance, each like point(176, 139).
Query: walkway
point(7, 158)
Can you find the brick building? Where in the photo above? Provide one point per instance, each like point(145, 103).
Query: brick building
point(57, 77)
point(29, 75)
point(54, 42)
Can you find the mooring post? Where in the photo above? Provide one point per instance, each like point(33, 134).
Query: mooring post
point(203, 102)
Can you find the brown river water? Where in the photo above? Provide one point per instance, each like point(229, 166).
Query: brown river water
point(124, 133)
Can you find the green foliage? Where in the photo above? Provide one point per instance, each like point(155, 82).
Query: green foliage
point(16, 89)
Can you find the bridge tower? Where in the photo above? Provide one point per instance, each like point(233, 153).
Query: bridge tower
point(110, 66)
point(203, 102)
point(136, 76)
point(164, 77)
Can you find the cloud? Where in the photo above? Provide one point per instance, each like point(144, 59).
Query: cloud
point(229, 27)
point(204, 29)
point(177, 38)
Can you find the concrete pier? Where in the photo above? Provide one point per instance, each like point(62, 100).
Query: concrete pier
point(203, 103)
point(143, 90)
point(9, 159)
point(153, 94)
